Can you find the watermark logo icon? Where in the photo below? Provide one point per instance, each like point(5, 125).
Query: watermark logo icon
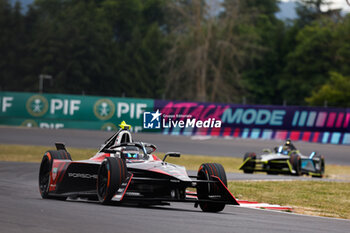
point(37, 105)
point(152, 120)
point(104, 109)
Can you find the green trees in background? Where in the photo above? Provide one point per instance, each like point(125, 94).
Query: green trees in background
point(208, 48)
point(220, 50)
point(334, 92)
point(263, 72)
point(72, 41)
point(140, 43)
point(320, 47)
point(93, 47)
point(13, 47)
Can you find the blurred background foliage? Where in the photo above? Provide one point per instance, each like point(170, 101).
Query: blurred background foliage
point(229, 51)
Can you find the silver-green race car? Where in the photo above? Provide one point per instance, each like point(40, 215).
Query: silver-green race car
point(284, 159)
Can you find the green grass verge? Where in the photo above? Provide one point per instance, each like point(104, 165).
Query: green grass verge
point(329, 199)
point(20, 153)
point(306, 197)
point(192, 162)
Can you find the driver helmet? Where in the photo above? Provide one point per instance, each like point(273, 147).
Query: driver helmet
point(289, 145)
point(131, 152)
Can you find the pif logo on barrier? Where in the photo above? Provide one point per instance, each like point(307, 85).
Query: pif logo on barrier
point(151, 120)
point(37, 105)
point(104, 109)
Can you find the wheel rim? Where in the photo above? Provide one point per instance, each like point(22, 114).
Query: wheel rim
point(44, 176)
point(102, 181)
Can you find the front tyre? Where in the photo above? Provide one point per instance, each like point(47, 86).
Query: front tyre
point(44, 175)
point(45, 171)
point(320, 165)
point(204, 191)
point(111, 174)
point(250, 165)
point(295, 161)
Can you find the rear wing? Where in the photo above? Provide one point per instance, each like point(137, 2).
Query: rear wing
point(60, 146)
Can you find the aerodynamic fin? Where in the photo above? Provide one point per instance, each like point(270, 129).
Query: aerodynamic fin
point(119, 195)
point(224, 190)
point(60, 146)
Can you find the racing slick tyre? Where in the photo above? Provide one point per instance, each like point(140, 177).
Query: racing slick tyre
point(45, 171)
point(320, 167)
point(295, 161)
point(111, 174)
point(250, 165)
point(206, 191)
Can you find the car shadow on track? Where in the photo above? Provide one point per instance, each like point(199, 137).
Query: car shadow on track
point(165, 206)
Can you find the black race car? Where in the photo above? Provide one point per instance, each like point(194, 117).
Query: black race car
point(125, 171)
point(284, 159)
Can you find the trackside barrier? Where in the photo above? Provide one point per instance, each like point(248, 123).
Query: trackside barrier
point(323, 125)
point(71, 111)
point(312, 124)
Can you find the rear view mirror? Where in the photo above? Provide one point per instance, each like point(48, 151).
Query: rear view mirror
point(172, 154)
point(150, 148)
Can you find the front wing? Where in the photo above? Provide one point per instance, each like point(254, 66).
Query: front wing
point(126, 192)
point(308, 166)
point(273, 166)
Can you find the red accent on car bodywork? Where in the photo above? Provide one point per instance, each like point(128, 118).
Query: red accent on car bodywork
point(228, 191)
point(248, 202)
point(126, 188)
point(156, 158)
point(100, 157)
point(61, 166)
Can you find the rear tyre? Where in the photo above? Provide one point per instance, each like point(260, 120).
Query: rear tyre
point(44, 176)
point(320, 166)
point(205, 172)
point(295, 161)
point(250, 165)
point(45, 171)
point(111, 174)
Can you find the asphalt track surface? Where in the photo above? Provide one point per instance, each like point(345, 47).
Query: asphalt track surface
point(23, 210)
point(334, 154)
